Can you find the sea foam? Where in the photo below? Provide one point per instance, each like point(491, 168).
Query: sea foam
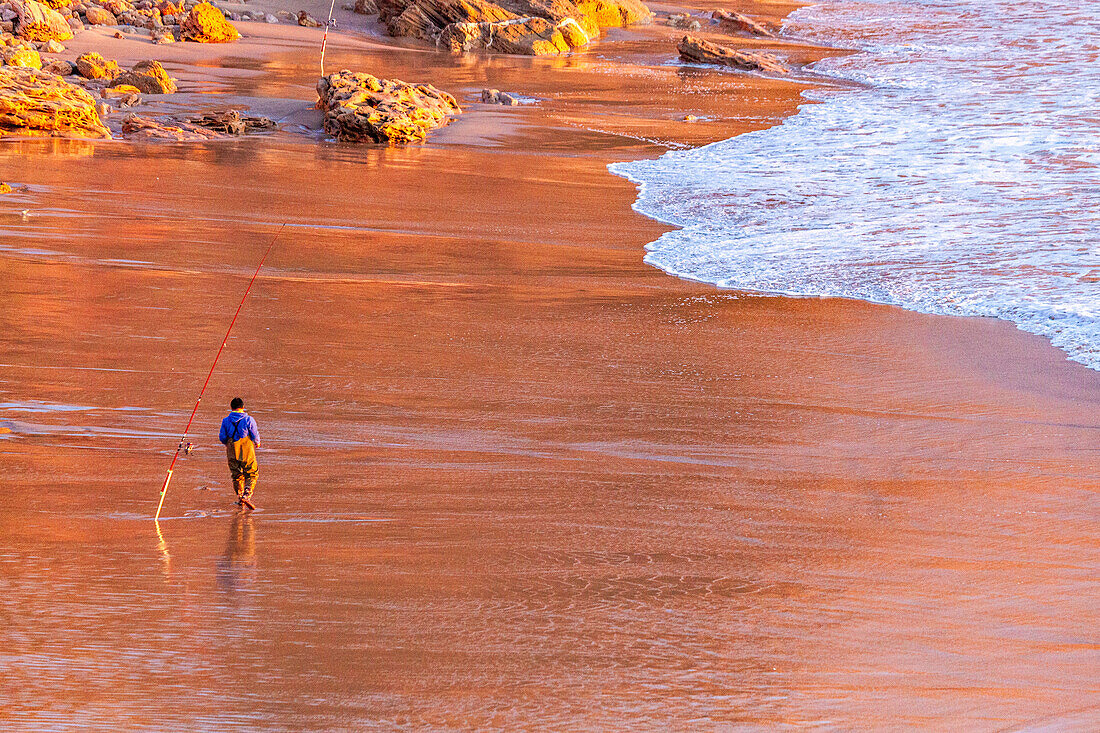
point(961, 181)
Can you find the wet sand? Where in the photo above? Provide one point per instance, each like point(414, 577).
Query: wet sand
point(511, 476)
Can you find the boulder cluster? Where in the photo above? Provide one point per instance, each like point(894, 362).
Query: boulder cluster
point(531, 27)
point(359, 107)
point(163, 20)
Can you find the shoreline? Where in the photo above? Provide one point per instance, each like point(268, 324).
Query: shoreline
point(513, 477)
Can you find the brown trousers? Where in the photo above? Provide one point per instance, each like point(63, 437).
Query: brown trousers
point(242, 465)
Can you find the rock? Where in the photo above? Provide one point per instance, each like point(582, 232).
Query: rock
point(8, 13)
point(166, 7)
point(117, 7)
point(163, 36)
point(149, 77)
point(142, 128)
point(533, 27)
point(58, 66)
point(426, 18)
point(690, 118)
point(495, 96)
point(232, 122)
point(121, 90)
point(729, 20)
point(57, 4)
point(75, 25)
point(99, 16)
point(555, 11)
point(527, 36)
point(93, 66)
point(22, 56)
point(616, 13)
point(206, 24)
point(365, 7)
point(684, 20)
point(699, 51)
point(269, 18)
point(53, 47)
point(286, 15)
point(307, 20)
point(38, 103)
point(36, 22)
point(359, 107)
point(126, 95)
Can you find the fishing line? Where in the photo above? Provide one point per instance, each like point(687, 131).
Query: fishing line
point(186, 430)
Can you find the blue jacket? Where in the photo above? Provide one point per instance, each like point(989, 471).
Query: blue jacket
point(236, 425)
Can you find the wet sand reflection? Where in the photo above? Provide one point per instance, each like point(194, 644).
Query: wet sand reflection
point(236, 568)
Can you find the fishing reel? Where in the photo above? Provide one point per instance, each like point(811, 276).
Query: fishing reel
point(186, 448)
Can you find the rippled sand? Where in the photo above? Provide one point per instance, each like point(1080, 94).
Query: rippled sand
point(512, 478)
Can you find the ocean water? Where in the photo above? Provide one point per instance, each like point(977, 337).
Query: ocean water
point(961, 180)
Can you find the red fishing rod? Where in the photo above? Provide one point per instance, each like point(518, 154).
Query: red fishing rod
point(186, 430)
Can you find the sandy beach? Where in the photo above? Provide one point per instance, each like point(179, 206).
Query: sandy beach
point(512, 477)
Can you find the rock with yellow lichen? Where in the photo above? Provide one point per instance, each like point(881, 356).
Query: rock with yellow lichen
point(37, 103)
point(92, 65)
point(22, 55)
point(38, 22)
point(359, 107)
point(207, 24)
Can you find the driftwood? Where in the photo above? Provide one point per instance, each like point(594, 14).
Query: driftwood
point(142, 128)
point(729, 20)
point(231, 122)
point(703, 52)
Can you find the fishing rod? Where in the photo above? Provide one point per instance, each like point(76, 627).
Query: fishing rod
point(324, 38)
point(186, 430)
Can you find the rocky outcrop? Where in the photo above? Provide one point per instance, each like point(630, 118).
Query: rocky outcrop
point(93, 66)
point(365, 7)
point(730, 21)
point(38, 103)
point(149, 77)
point(359, 107)
point(37, 22)
point(703, 52)
point(531, 27)
point(206, 24)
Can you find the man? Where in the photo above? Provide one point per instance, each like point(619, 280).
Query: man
point(241, 439)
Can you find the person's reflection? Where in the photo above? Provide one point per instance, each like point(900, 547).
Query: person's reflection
point(238, 565)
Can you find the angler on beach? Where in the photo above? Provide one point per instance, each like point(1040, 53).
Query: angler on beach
point(241, 438)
